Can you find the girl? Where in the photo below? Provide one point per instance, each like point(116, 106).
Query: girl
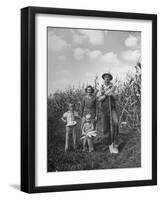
point(88, 133)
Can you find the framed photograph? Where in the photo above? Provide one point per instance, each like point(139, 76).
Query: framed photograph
point(88, 99)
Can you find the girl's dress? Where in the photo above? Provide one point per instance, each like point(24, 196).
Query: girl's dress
point(88, 133)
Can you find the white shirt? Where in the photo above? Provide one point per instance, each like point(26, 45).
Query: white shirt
point(69, 116)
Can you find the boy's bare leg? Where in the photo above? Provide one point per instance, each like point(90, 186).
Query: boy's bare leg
point(67, 138)
point(74, 138)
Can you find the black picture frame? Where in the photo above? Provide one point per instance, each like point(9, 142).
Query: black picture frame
point(28, 98)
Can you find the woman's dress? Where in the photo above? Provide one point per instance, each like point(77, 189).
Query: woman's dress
point(88, 107)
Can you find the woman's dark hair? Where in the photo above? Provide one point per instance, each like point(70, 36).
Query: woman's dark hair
point(89, 86)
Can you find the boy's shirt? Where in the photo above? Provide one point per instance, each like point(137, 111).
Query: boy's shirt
point(69, 116)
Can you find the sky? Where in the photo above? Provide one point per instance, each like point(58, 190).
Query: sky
point(76, 56)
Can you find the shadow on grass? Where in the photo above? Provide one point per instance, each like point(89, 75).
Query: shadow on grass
point(121, 146)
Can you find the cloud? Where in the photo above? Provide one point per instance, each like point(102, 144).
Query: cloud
point(79, 39)
point(56, 43)
point(103, 58)
point(94, 54)
point(106, 62)
point(132, 41)
point(111, 58)
point(95, 37)
point(100, 62)
point(110, 62)
point(79, 53)
point(131, 55)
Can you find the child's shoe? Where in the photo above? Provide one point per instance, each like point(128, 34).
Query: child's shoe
point(91, 150)
point(115, 150)
point(111, 148)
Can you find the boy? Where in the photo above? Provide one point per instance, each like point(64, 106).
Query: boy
point(69, 118)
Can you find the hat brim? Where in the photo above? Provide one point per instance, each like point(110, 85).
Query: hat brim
point(103, 75)
point(89, 86)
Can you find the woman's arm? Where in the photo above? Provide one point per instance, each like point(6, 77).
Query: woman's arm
point(77, 115)
point(83, 130)
point(82, 106)
point(95, 106)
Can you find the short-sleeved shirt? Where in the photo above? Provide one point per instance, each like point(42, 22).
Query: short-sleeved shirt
point(70, 117)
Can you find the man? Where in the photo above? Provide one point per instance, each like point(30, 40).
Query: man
point(108, 111)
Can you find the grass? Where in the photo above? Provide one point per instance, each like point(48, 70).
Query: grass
point(129, 156)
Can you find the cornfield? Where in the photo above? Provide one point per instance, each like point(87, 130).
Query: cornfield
point(128, 103)
point(129, 100)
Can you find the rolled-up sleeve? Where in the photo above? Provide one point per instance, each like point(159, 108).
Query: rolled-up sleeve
point(100, 95)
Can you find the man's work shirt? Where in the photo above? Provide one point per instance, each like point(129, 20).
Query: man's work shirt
point(106, 92)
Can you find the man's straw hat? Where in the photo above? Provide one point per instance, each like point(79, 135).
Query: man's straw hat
point(108, 74)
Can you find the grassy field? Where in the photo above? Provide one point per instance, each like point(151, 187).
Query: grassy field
point(129, 156)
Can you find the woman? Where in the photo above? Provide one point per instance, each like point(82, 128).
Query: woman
point(108, 112)
point(88, 104)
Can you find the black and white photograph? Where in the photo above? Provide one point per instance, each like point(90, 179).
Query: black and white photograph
point(89, 99)
point(93, 99)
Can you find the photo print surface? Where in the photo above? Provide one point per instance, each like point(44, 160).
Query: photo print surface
point(93, 100)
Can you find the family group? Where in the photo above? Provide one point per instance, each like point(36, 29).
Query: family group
point(105, 99)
